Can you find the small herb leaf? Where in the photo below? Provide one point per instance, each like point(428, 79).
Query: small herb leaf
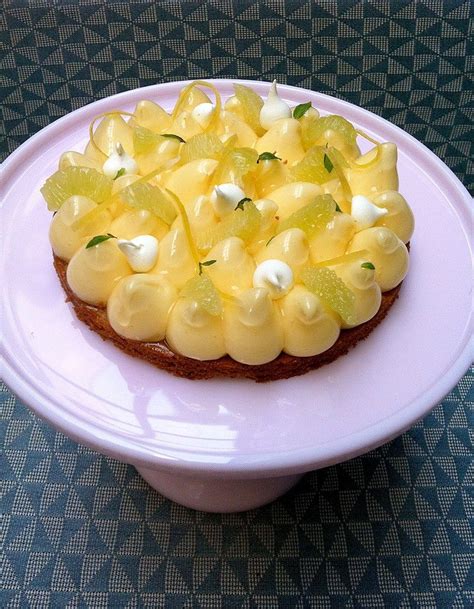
point(99, 239)
point(120, 173)
point(301, 109)
point(338, 209)
point(268, 156)
point(328, 163)
point(241, 203)
point(206, 263)
point(173, 137)
point(368, 265)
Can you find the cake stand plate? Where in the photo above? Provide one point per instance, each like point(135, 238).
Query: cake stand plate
point(229, 445)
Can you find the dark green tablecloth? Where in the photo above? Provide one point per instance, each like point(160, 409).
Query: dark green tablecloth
point(391, 528)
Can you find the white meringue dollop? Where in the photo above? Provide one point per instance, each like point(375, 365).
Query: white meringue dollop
point(118, 160)
point(225, 197)
point(365, 213)
point(202, 114)
point(274, 108)
point(274, 275)
point(141, 252)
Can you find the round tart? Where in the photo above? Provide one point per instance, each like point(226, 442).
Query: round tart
point(245, 239)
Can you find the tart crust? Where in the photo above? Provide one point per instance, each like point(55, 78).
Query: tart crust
point(160, 355)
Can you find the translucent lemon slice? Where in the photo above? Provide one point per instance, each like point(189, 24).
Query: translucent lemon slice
point(144, 139)
point(201, 289)
point(234, 164)
point(251, 104)
point(201, 146)
point(311, 218)
point(69, 181)
point(315, 167)
point(331, 289)
point(313, 131)
point(243, 223)
point(76, 159)
point(145, 196)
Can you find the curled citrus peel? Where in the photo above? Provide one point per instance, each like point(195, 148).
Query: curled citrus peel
point(181, 101)
point(367, 137)
point(370, 163)
point(186, 226)
point(344, 259)
point(334, 156)
point(104, 115)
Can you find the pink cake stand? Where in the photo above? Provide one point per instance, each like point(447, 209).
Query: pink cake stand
point(230, 445)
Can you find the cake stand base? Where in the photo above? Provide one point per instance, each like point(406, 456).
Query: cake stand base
point(216, 494)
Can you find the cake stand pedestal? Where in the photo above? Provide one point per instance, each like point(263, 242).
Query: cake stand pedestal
point(217, 494)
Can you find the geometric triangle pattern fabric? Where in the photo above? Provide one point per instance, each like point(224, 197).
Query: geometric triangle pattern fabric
point(392, 528)
point(407, 60)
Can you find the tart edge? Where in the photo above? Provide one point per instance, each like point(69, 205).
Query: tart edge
point(161, 356)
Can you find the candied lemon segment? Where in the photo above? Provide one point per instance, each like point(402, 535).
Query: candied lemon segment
point(329, 287)
point(201, 289)
point(311, 218)
point(251, 104)
point(70, 181)
point(76, 159)
point(315, 167)
point(144, 139)
point(314, 130)
point(145, 196)
point(202, 146)
point(243, 223)
point(234, 164)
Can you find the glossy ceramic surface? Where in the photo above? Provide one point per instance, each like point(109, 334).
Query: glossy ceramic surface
point(226, 428)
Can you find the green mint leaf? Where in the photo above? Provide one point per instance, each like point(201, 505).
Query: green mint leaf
point(120, 173)
point(173, 137)
point(99, 239)
point(368, 265)
point(338, 209)
point(301, 109)
point(241, 203)
point(268, 156)
point(206, 263)
point(328, 163)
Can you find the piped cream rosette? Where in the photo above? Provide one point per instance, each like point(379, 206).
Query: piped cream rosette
point(247, 229)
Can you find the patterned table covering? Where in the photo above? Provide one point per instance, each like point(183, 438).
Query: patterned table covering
point(392, 528)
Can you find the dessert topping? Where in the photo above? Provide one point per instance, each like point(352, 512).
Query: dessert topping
point(141, 252)
point(268, 156)
point(98, 239)
point(225, 198)
point(206, 263)
point(117, 161)
point(365, 213)
point(273, 109)
point(173, 136)
point(301, 109)
point(328, 164)
point(274, 275)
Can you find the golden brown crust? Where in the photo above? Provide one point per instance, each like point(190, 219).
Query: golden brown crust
point(160, 355)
